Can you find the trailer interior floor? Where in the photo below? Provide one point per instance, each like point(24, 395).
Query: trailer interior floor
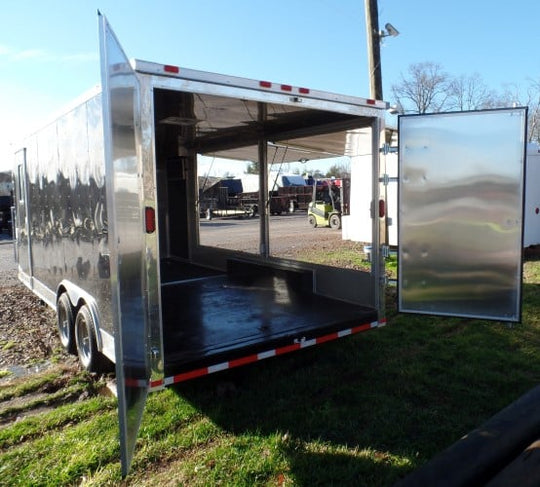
point(216, 317)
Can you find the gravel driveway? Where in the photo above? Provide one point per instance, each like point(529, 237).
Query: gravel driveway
point(8, 268)
point(289, 234)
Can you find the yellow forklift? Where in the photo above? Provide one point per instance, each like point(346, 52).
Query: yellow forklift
point(327, 204)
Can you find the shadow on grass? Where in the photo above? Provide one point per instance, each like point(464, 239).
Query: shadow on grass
point(320, 419)
point(368, 409)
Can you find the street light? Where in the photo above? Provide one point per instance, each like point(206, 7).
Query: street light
point(390, 31)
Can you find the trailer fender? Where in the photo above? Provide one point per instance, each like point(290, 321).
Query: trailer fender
point(78, 297)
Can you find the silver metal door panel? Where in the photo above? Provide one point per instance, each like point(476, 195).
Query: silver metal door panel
point(461, 213)
point(126, 240)
point(21, 223)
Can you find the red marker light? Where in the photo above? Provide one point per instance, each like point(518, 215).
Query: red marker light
point(382, 208)
point(371, 102)
point(171, 69)
point(265, 84)
point(286, 87)
point(150, 219)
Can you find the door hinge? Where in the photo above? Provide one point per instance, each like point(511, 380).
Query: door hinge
point(388, 149)
point(386, 179)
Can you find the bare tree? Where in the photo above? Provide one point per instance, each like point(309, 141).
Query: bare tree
point(470, 93)
point(339, 170)
point(513, 96)
point(427, 88)
point(534, 112)
point(531, 99)
point(424, 90)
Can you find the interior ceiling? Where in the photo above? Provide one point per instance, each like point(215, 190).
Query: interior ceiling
point(229, 127)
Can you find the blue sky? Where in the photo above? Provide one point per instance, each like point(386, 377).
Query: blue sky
point(49, 50)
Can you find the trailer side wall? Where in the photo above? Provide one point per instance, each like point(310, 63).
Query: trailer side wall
point(66, 211)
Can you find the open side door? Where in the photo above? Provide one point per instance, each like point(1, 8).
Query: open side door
point(120, 89)
point(461, 194)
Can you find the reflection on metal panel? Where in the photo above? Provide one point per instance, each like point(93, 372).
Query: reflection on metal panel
point(66, 199)
point(126, 238)
point(21, 222)
point(460, 213)
point(152, 257)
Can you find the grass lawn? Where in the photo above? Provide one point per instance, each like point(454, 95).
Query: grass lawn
point(362, 411)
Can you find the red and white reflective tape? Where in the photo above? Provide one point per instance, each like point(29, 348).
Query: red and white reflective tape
point(297, 345)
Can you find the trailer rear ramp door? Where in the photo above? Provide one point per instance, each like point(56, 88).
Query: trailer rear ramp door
point(461, 193)
point(120, 84)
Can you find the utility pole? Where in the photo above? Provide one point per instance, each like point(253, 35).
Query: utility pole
point(374, 49)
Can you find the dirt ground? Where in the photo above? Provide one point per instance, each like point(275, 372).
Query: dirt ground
point(28, 336)
point(27, 329)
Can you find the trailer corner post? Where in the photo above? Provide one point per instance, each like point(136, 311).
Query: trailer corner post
point(264, 196)
point(377, 258)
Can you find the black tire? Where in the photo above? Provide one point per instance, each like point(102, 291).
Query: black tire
point(85, 337)
point(65, 323)
point(334, 221)
point(312, 221)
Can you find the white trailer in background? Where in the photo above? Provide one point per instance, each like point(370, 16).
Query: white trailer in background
point(532, 197)
point(360, 190)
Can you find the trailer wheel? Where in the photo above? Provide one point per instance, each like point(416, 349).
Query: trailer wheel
point(65, 322)
point(312, 221)
point(85, 338)
point(335, 221)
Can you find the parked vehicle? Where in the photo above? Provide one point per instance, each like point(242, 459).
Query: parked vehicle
point(287, 192)
point(330, 201)
point(225, 198)
point(6, 202)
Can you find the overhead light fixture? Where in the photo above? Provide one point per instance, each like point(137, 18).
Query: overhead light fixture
point(395, 109)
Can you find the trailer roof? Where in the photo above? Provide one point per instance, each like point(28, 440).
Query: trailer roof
point(264, 85)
